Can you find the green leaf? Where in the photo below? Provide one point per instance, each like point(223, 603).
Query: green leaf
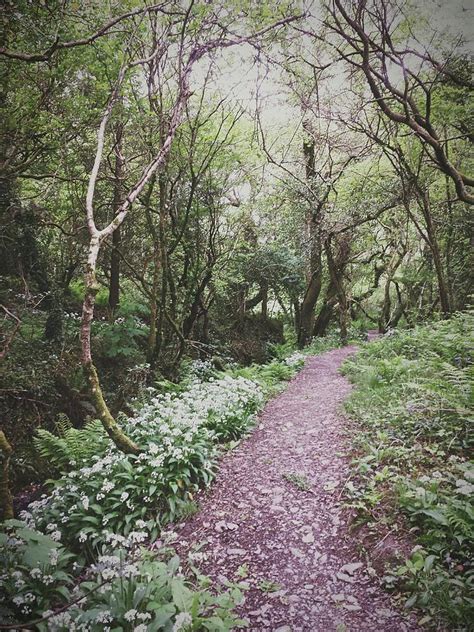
point(182, 596)
point(437, 515)
point(429, 562)
point(162, 613)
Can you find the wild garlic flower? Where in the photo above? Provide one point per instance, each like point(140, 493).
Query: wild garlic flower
point(182, 621)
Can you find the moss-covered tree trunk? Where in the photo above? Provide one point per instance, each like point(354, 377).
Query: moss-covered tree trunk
point(6, 498)
point(114, 431)
point(325, 313)
point(313, 289)
point(337, 255)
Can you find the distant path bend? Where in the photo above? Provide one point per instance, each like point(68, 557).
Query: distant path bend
point(292, 546)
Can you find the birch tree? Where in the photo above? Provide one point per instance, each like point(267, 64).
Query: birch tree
point(191, 40)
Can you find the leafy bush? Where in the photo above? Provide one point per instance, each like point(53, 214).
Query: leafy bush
point(413, 399)
point(269, 376)
point(325, 343)
point(148, 595)
point(34, 571)
point(120, 339)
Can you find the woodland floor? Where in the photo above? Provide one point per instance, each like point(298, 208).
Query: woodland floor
point(290, 545)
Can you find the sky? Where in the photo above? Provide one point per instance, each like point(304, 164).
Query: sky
point(239, 75)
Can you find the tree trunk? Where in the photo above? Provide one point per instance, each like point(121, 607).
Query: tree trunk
point(430, 237)
point(435, 250)
point(324, 317)
point(306, 314)
point(336, 264)
point(117, 435)
point(241, 301)
point(6, 498)
point(161, 260)
point(384, 320)
point(265, 300)
point(205, 336)
point(152, 336)
point(313, 235)
point(114, 284)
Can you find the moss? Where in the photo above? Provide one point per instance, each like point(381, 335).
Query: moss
point(112, 428)
point(6, 499)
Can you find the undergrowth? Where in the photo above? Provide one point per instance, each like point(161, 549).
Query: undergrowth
point(413, 401)
point(91, 535)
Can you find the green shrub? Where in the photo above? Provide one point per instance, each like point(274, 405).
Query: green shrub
point(121, 339)
point(127, 497)
point(34, 571)
point(114, 503)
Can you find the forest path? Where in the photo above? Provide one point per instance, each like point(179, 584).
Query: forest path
point(292, 545)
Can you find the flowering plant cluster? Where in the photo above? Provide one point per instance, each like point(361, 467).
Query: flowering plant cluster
point(124, 499)
point(141, 591)
point(296, 359)
point(34, 570)
point(107, 509)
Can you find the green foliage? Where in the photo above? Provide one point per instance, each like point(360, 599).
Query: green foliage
point(126, 589)
point(121, 339)
point(34, 571)
point(113, 503)
point(325, 343)
point(70, 447)
point(152, 594)
point(111, 494)
point(413, 400)
point(269, 586)
point(270, 376)
point(76, 291)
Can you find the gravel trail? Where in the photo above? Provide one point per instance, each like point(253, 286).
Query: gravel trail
point(274, 517)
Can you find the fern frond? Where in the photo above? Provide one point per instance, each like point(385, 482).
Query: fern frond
point(72, 447)
point(62, 424)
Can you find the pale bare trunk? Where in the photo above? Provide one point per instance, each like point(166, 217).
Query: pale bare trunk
point(92, 287)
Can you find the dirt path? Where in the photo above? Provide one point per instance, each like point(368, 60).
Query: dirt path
point(291, 544)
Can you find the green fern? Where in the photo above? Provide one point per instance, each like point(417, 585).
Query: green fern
point(461, 520)
point(276, 372)
point(70, 447)
point(62, 425)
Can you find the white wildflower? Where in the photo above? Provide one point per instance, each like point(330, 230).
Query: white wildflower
point(130, 615)
point(183, 619)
